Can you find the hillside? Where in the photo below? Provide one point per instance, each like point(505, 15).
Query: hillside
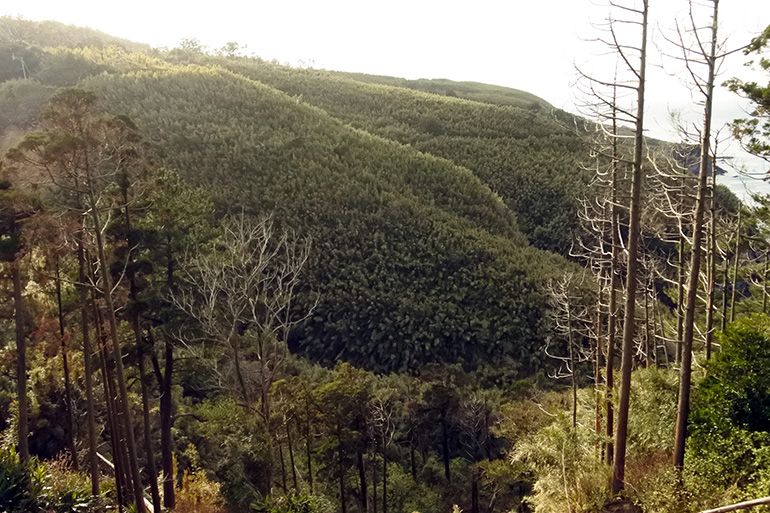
point(518, 146)
point(476, 91)
point(415, 202)
point(288, 290)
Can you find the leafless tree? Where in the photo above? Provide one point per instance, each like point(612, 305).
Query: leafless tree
point(240, 293)
point(383, 423)
point(622, 98)
point(699, 54)
point(570, 313)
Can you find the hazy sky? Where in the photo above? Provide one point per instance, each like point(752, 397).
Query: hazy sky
point(530, 45)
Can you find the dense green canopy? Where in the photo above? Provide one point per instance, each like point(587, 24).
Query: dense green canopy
point(419, 206)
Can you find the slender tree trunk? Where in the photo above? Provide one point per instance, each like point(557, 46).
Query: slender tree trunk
point(445, 447)
point(291, 455)
point(647, 340)
point(264, 382)
point(140, 346)
point(412, 463)
point(166, 400)
point(121, 379)
point(610, 363)
point(165, 411)
point(374, 478)
point(283, 466)
point(21, 363)
point(683, 409)
point(385, 476)
point(474, 493)
point(724, 293)
point(264, 389)
point(680, 283)
point(343, 504)
point(239, 374)
point(660, 338)
point(118, 435)
point(362, 481)
point(612, 322)
point(309, 460)
point(735, 263)
point(573, 371)
point(66, 369)
point(711, 263)
point(629, 328)
point(147, 433)
point(116, 439)
point(93, 461)
point(764, 284)
point(598, 364)
point(308, 445)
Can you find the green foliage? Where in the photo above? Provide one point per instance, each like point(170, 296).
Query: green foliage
point(406, 494)
point(42, 34)
point(484, 93)
point(419, 208)
point(727, 199)
point(415, 202)
point(754, 132)
point(64, 68)
point(43, 487)
point(520, 152)
point(731, 410)
point(560, 456)
point(569, 474)
point(21, 101)
point(234, 449)
point(15, 489)
point(197, 494)
point(301, 503)
point(414, 259)
point(653, 394)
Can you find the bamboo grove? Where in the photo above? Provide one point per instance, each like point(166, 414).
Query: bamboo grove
point(235, 285)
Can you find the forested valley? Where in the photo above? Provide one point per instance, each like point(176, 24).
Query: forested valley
point(233, 285)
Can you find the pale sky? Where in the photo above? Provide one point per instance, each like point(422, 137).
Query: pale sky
point(529, 45)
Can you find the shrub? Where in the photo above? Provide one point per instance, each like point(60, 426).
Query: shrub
point(41, 486)
point(570, 476)
point(197, 494)
point(727, 456)
point(300, 503)
point(14, 483)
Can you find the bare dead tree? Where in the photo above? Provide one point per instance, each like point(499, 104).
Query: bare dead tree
point(571, 318)
point(671, 204)
point(240, 294)
point(383, 423)
point(628, 106)
point(602, 244)
point(700, 58)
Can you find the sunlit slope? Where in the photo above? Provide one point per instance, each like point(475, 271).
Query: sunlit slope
point(414, 259)
point(529, 154)
point(476, 91)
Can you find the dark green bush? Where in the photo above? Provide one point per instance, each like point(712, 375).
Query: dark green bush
point(42, 487)
point(730, 422)
point(14, 483)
